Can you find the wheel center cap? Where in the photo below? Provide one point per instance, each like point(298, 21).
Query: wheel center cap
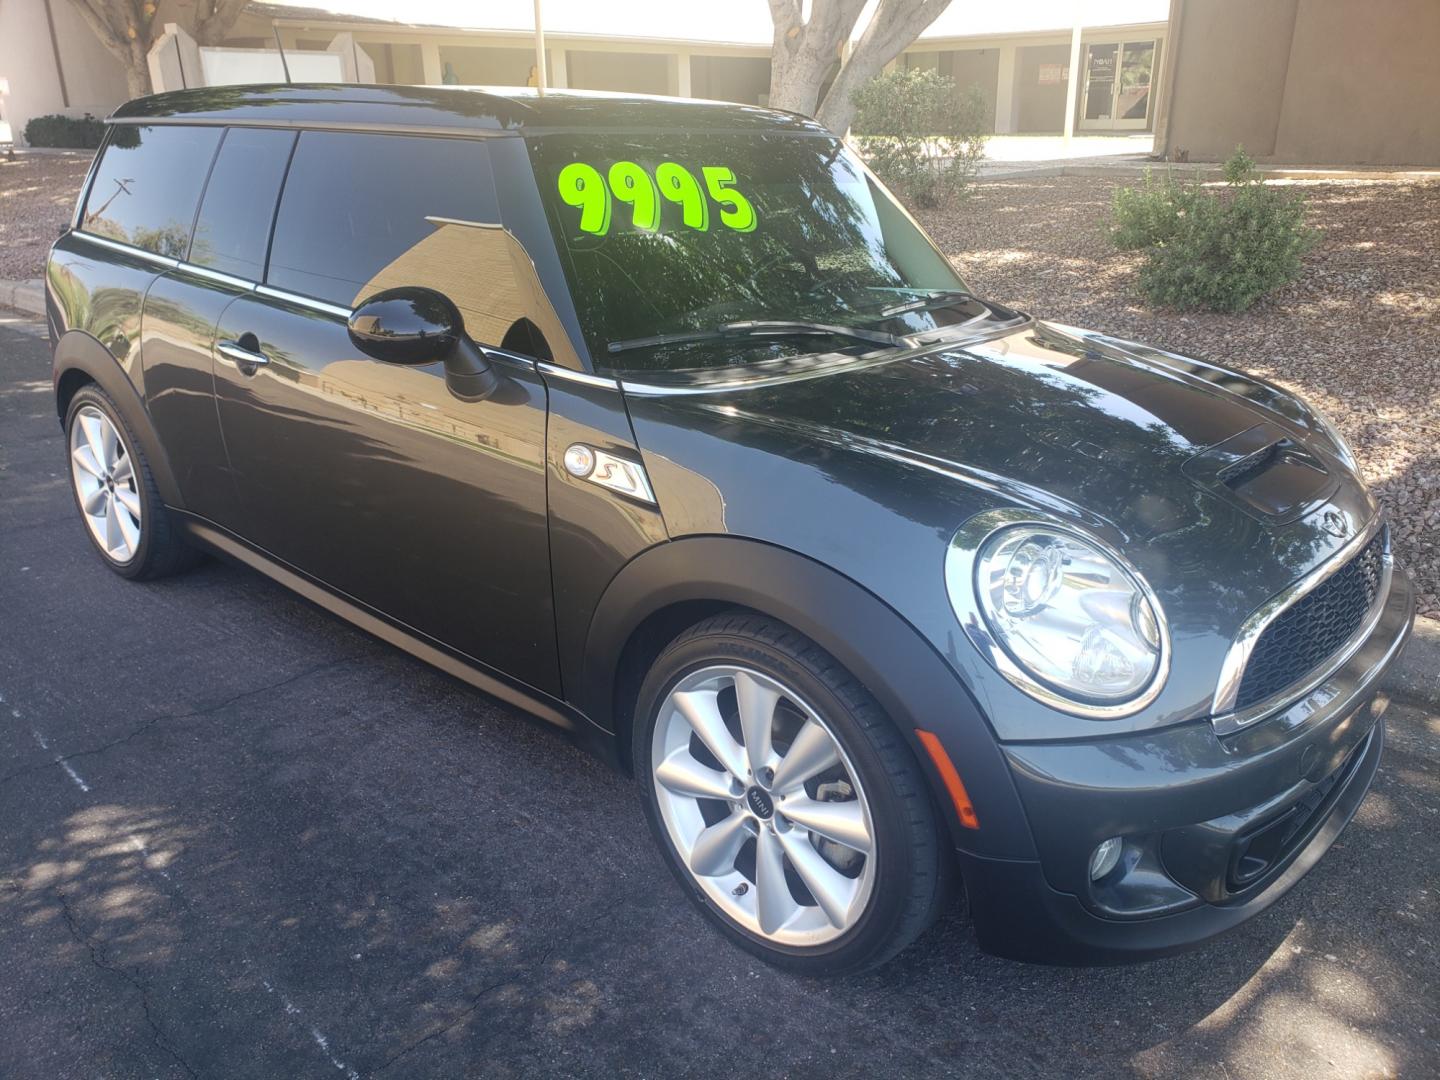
point(760, 804)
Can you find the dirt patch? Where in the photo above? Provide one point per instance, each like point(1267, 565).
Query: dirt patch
point(1358, 335)
point(37, 197)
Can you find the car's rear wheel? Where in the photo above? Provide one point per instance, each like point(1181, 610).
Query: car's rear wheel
point(116, 494)
point(785, 799)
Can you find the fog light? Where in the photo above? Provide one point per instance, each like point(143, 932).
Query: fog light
point(1105, 857)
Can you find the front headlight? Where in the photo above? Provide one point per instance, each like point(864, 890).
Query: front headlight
point(1076, 627)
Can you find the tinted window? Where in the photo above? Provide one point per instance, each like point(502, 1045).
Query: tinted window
point(361, 209)
point(233, 229)
point(147, 184)
point(677, 233)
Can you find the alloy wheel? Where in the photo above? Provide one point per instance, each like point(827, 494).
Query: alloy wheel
point(763, 806)
point(105, 484)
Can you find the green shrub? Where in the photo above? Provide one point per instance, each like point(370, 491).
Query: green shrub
point(83, 133)
point(1212, 250)
point(923, 135)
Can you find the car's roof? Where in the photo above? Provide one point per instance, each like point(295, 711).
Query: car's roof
point(451, 108)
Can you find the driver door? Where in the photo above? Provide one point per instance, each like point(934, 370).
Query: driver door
point(372, 477)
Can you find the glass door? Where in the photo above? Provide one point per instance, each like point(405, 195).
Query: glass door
point(1117, 85)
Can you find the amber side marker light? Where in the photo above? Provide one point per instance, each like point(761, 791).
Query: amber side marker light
point(953, 784)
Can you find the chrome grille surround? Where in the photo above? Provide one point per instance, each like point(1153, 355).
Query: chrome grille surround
point(1225, 716)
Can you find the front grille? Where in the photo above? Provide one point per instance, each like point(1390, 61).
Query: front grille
point(1311, 630)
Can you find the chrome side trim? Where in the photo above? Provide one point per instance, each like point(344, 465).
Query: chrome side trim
point(126, 249)
point(303, 301)
point(584, 378)
point(1232, 670)
point(1224, 719)
point(218, 277)
point(960, 569)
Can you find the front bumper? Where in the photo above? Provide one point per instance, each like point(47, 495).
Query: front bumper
point(1216, 829)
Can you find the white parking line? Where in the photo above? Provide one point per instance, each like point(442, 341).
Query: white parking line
point(44, 744)
point(291, 1009)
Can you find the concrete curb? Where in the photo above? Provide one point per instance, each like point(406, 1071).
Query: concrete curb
point(27, 296)
point(1415, 680)
point(1191, 172)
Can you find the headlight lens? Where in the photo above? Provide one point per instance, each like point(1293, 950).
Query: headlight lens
point(1069, 613)
point(1331, 432)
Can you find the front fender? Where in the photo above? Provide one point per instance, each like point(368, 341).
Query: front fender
point(78, 358)
point(914, 686)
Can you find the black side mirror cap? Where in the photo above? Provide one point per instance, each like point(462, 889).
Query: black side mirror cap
point(406, 326)
point(413, 326)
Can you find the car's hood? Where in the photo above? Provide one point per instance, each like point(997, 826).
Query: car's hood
point(1219, 489)
point(1067, 421)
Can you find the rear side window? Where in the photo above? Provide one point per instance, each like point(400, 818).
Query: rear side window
point(233, 229)
point(355, 204)
point(147, 184)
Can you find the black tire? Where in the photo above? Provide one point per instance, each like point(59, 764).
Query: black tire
point(914, 873)
point(161, 550)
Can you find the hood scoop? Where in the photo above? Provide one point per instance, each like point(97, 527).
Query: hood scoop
point(1265, 473)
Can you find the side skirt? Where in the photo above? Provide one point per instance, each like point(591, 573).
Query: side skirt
point(581, 729)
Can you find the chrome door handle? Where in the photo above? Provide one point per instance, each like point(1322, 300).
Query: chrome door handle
point(240, 356)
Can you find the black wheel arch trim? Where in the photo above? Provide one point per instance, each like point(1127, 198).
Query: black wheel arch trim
point(77, 351)
point(912, 683)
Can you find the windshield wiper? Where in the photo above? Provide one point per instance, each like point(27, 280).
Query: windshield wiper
point(761, 328)
point(932, 299)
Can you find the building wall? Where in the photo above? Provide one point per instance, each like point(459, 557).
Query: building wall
point(745, 79)
point(635, 73)
point(473, 66)
point(1039, 106)
point(1330, 82)
point(94, 81)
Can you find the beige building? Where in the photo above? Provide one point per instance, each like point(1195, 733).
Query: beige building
point(1020, 56)
point(1334, 82)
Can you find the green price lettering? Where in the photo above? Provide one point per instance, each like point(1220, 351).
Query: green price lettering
point(583, 186)
point(678, 184)
point(632, 184)
point(740, 215)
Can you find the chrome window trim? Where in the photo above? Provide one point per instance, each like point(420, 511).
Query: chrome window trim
point(1224, 719)
point(218, 276)
point(126, 249)
point(961, 559)
point(338, 310)
point(584, 378)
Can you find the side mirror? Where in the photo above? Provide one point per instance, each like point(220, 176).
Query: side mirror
point(414, 325)
point(406, 326)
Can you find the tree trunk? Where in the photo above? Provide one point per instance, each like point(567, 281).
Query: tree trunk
point(137, 73)
point(804, 51)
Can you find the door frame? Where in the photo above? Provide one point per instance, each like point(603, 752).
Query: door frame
point(1112, 122)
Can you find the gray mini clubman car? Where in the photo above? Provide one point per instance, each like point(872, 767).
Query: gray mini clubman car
point(665, 422)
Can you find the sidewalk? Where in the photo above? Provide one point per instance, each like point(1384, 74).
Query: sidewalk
point(27, 296)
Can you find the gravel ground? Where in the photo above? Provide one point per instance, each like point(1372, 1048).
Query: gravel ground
point(37, 196)
point(1358, 335)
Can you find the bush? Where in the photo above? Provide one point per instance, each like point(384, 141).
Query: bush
point(84, 133)
point(923, 135)
point(1210, 250)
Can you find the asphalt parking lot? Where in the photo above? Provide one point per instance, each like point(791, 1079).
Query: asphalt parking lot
point(239, 838)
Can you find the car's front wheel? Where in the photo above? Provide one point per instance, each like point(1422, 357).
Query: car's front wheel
point(785, 799)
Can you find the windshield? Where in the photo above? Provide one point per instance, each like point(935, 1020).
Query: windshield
point(670, 240)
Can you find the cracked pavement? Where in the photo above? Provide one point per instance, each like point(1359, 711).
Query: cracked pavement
point(239, 838)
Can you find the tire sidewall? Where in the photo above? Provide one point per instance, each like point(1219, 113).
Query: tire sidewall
point(893, 847)
point(95, 398)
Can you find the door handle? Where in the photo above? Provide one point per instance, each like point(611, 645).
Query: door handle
point(247, 360)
